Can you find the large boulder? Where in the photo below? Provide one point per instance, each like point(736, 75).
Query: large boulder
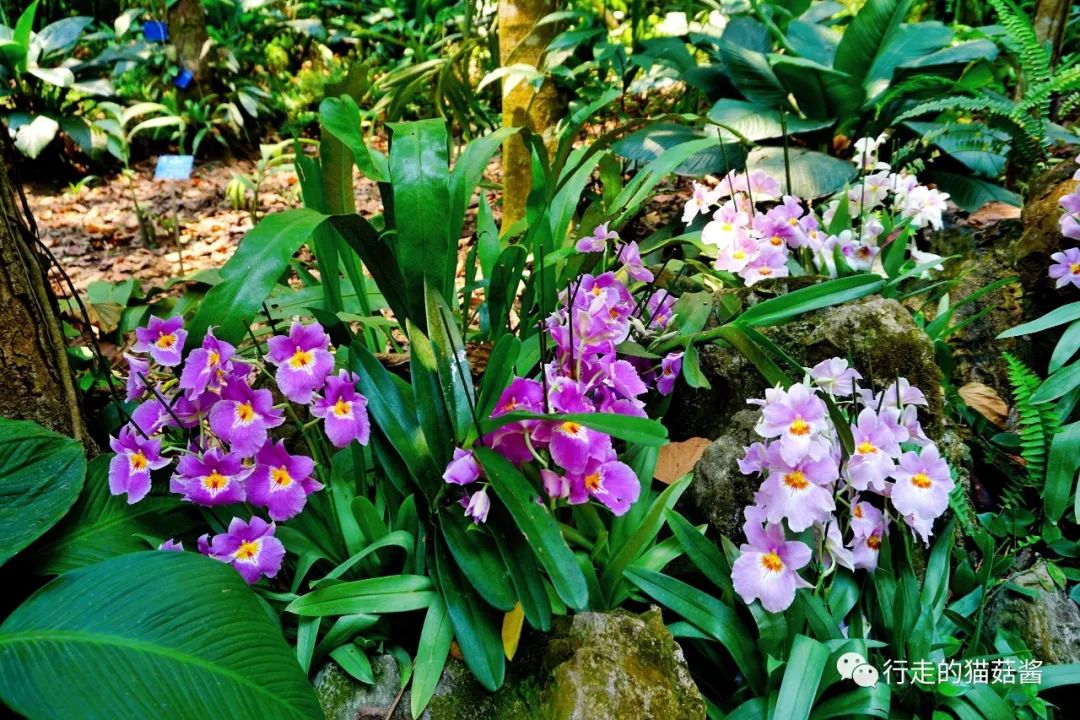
point(613, 666)
point(720, 491)
point(1041, 614)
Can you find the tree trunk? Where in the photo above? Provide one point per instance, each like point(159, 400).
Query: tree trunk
point(522, 42)
point(1051, 17)
point(187, 30)
point(35, 378)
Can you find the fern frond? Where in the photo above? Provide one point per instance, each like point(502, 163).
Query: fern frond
point(1037, 424)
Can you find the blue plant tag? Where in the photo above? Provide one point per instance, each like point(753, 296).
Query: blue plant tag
point(183, 79)
point(174, 167)
point(155, 31)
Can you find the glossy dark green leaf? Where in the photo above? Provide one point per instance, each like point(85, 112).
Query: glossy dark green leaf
point(452, 365)
point(388, 594)
point(341, 118)
point(478, 559)
point(802, 675)
point(173, 636)
point(435, 638)
point(41, 474)
point(795, 303)
point(537, 524)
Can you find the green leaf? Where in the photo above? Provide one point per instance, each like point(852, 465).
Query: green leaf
point(708, 613)
point(455, 376)
point(388, 594)
point(478, 559)
point(702, 553)
point(831, 292)
point(752, 76)
point(251, 273)
point(431, 409)
point(354, 661)
point(469, 167)
point(341, 118)
point(378, 258)
point(420, 176)
point(1057, 316)
point(475, 625)
point(802, 675)
point(1061, 470)
point(102, 525)
point(431, 654)
point(758, 122)
point(970, 192)
point(1066, 348)
point(537, 524)
point(41, 474)
point(868, 35)
point(520, 561)
point(500, 369)
point(908, 42)
point(632, 429)
point(813, 174)
point(1061, 382)
point(863, 702)
point(188, 628)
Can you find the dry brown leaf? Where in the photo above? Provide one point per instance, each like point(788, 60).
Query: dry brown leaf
point(984, 400)
point(678, 458)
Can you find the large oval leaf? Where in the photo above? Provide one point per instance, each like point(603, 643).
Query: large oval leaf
point(813, 174)
point(161, 635)
point(41, 474)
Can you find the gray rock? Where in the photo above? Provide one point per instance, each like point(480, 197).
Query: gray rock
point(720, 491)
point(344, 698)
point(1048, 623)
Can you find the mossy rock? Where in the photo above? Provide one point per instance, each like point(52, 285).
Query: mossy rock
point(1041, 614)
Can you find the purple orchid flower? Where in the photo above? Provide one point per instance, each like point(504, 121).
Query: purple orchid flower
point(766, 569)
point(216, 478)
point(670, 368)
point(138, 369)
point(281, 482)
point(573, 445)
point(598, 240)
point(661, 308)
point(463, 469)
point(129, 470)
point(343, 410)
point(209, 367)
point(243, 415)
point(250, 547)
point(1066, 268)
point(555, 485)
point(875, 447)
point(922, 488)
point(630, 256)
point(163, 339)
point(171, 545)
point(835, 377)
point(799, 492)
point(478, 506)
point(797, 416)
point(607, 480)
point(303, 361)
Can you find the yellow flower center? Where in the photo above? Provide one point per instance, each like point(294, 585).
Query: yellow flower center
point(215, 481)
point(138, 461)
point(166, 341)
point(873, 542)
point(596, 290)
point(727, 227)
point(921, 481)
point(301, 359)
point(280, 476)
point(510, 405)
point(796, 480)
point(857, 512)
point(776, 240)
point(571, 428)
point(793, 221)
point(212, 358)
point(772, 562)
point(798, 425)
point(1074, 268)
point(343, 408)
point(765, 270)
point(592, 481)
point(739, 254)
point(866, 448)
point(248, 550)
point(245, 413)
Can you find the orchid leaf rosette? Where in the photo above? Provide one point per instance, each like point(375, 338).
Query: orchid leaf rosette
point(573, 462)
point(757, 232)
point(214, 418)
point(821, 506)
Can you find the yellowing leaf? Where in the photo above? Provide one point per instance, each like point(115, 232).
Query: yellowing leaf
point(984, 400)
point(511, 630)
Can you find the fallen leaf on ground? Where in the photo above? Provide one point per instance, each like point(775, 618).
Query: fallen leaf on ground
point(678, 458)
point(984, 400)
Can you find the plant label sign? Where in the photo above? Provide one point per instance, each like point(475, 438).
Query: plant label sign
point(174, 167)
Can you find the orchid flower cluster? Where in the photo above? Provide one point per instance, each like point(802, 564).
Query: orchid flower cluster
point(756, 231)
point(893, 471)
point(587, 375)
point(206, 412)
point(1066, 266)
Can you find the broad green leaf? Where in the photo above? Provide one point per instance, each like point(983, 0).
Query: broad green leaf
point(701, 551)
point(469, 167)
point(431, 653)
point(1061, 468)
point(476, 627)
point(862, 702)
point(455, 376)
point(102, 525)
point(802, 675)
point(199, 643)
point(831, 292)
point(632, 429)
point(759, 122)
point(907, 43)
point(538, 525)
point(708, 613)
point(354, 661)
point(813, 174)
point(752, 76)
point(420, 175)
point(388, 594)
point(970, 192)
point(520, 561)
point(250, 275)
point(868, 35)
point(478, 559)
point(33, 137)
point(341, 118)
point(378, 258)
point(41, 474)
point(1060, 383)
